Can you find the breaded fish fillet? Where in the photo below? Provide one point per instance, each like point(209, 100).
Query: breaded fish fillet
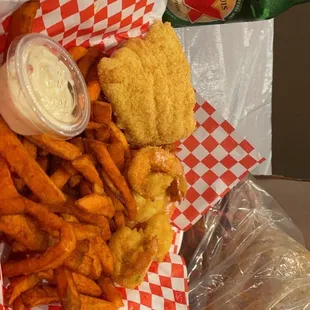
point(148, 83)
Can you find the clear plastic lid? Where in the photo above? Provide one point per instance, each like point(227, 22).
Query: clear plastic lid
point(53, 91)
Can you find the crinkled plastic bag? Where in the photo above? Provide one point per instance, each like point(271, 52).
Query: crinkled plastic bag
point(249, 256)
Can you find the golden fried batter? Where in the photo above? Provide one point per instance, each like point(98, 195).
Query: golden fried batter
point(152, 170)
point(148, 84)
point(159, 226)
point(132, 255)
point(146, 208)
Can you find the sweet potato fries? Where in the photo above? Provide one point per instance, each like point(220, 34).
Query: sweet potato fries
point(55, 212)
point(58, 228)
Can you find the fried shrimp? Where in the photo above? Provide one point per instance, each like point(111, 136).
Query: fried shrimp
point(159, 226)
point(152, 171)
point(132, 254)
point(146, 208)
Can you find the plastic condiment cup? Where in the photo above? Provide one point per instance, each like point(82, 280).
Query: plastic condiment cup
point(21, 106)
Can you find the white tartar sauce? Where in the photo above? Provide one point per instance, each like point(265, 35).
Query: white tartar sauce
point(51, 83)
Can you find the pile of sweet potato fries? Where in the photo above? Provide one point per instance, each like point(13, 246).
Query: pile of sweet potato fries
point(60, 201)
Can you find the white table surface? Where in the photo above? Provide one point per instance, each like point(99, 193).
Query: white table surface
point(232, 69)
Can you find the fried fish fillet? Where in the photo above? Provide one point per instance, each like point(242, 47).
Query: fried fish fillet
point(148, 83)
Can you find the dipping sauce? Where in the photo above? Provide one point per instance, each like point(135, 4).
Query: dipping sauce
point(43, 89)
point(52, 83)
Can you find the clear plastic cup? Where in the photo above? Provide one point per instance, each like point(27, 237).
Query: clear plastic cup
point(63, 110)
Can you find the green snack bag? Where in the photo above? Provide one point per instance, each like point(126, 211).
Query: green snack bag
point(183, 13)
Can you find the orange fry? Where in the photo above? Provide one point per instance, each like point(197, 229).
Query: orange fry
point(98, 189)
point(102, 134)
point(77, 52)
point(39, 296)
point(78, 142)
point(60, 208)
point(85, 165)
point(18, 304)
point(18, 247)
point(60, 177)
point(27, 168)
point(89, 133)
point(53, 256)
point(19, 227)
point(7, 188)
point(60, 148)
point(22, 20)
point(119, 219)
point(88, 60)
point(93, 72)
point(92, 157)
point(118, 135)
point(118, 180)
point(94, 89)
point(118, 205)
point(98, 220)
point(85, 231)
point(24, 231)
point(75, 180)
point(62, 282)
point(104, 254)
point(69, 218)
point(93, 125)
point(67, 289)
point(46, 274)
point(43, 162)
point(91, 303)
point(96, 267)
point(69, 168)
point(96, 204)
point(110, 292)
point(82, 246)
point(116, 151)
point(43, 295)
point(101, 112)
point(79, 262)
point(86, 285)
point(109, 183)
point(22, 284)
point(31, 148)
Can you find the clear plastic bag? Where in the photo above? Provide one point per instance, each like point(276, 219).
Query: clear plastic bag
point(249, 256)
point(232, 69)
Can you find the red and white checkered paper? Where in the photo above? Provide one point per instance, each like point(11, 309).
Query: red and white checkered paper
point(165, 287)
point(215, 158)
point(101, 23)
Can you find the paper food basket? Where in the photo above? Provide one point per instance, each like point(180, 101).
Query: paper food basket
point(215, 158)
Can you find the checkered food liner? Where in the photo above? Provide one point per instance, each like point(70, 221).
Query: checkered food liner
point(101, 23)
point(215, 158)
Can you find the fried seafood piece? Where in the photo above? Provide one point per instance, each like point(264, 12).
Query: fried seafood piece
point(152, 171)
point(148, 83)
point(133, 255)
point(146, 208)
point(159, 226)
